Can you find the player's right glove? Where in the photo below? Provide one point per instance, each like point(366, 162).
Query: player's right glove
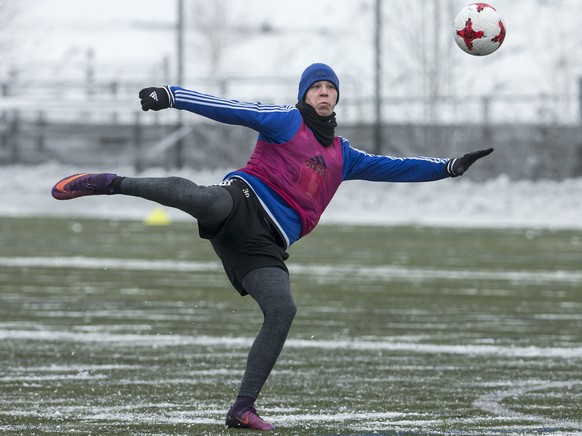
point(155, 98)
point(457, 167)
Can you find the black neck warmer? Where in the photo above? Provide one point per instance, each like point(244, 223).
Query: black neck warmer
point(322, 127)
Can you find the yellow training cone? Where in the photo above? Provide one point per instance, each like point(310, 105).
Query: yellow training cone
point(157, 217)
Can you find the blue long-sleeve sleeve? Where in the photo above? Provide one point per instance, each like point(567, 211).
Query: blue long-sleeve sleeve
point(359, 165)
point(274, 123)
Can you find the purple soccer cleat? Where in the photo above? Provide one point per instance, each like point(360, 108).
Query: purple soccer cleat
point(79, 185)
point(248, 418)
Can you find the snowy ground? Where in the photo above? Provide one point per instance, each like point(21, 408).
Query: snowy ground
point(498, 202)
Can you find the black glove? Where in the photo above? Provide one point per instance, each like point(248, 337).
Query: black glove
point(155, 98)
point(457, 167)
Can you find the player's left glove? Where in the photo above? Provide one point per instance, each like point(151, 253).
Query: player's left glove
point(155, 98)
point(457, 167)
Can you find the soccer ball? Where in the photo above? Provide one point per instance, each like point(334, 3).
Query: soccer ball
point(479, 29)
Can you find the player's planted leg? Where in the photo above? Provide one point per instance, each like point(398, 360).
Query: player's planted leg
point(270, 287)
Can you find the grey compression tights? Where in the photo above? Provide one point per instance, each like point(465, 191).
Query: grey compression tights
point(210, 205)
point(269, 287)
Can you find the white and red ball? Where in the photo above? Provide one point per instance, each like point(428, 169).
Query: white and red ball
point(478, 29)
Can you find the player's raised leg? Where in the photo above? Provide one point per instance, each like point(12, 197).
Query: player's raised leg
point(210, 205)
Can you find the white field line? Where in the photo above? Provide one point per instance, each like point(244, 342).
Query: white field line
point(492, 402)
point(206, 416)
point(108, 263)
point(383, 344)
point(175, 413)
point(331, 271)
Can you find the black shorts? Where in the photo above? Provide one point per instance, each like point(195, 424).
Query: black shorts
point(248, 239)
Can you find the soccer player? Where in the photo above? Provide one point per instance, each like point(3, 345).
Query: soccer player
point(259, 210)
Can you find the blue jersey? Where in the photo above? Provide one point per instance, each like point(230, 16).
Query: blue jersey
point(277, 124)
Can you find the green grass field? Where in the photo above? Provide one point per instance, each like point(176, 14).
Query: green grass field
point(115, 327)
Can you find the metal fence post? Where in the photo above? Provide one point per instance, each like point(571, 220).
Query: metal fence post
point(40, 139)
point(486, 120)
point(578, 167)
point(137, 138)
point(13, 137)
point(179, 148)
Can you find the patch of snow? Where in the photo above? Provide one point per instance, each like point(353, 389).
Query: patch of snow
point(460, 202)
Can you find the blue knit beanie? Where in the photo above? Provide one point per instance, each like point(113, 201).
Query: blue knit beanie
point(315, 73)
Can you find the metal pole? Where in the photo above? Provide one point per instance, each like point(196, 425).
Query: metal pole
point(179, 146)
point(180, 43)
point(138, 159)
point(378, 79)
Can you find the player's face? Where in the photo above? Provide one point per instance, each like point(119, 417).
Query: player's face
point(323, 97)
